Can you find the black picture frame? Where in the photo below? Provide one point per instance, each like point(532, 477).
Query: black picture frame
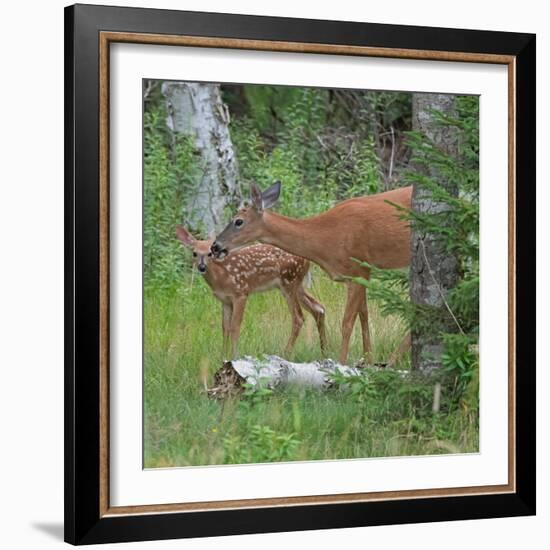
point(84, 523)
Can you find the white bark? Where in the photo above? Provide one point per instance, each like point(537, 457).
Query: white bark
point(197, 110)
point(274, 372)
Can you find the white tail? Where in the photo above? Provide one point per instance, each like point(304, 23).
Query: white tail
point(254, 269)
point(366, 228)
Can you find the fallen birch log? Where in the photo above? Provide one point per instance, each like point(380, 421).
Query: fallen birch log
point(273, 372)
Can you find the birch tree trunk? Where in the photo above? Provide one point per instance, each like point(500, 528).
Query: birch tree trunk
point(197, 110)
point(433, 271)
point(273, 372)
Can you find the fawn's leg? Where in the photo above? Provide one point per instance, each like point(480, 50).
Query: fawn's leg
point(227, 314)
point(291, 298)
point(317, 311)
point(239, 304)
point(356, 293)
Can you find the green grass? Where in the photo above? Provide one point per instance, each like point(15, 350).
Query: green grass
point(183, 427)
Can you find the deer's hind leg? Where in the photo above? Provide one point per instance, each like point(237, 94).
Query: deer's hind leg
point(291, 298)
point(317, 311)
point(403, 347)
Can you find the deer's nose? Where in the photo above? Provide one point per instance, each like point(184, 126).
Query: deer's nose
point(219, 252)
point(202, 268)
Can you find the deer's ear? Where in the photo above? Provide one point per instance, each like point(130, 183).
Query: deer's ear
point(271, 195)
point(184, 236)
point(256, 197)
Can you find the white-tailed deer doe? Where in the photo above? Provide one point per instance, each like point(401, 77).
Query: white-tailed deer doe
point(368, 229)
point(255, 269)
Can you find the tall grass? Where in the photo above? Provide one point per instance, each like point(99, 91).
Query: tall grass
point(183, 348)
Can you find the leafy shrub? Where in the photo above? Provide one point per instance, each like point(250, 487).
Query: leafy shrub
point(260, 444)
point(402, 395)
point(460, 235)
point(318, 162)
point(169, 174)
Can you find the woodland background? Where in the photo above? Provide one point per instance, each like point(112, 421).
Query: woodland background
point(203, 146)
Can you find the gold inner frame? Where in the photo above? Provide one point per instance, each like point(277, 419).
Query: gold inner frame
point(105, 39)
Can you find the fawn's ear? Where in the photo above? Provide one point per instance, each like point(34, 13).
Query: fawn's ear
point(271, 195)
point(184, 236)
point(256, 197)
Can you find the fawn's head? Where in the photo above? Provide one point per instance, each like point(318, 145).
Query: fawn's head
point(247, 224)
point(202, 255)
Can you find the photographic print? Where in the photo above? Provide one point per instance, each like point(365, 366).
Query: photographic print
point(310, 273)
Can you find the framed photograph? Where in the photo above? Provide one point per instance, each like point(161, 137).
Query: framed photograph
point(300, 274)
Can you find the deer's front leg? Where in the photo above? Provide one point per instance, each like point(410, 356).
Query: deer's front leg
point(227, 314)
point(317, 311)
point(364, 319)
point(239, 304)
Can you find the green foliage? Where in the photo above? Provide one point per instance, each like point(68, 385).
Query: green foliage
point(460, 359)
point(464, 301)
point(260, 444)
point(169, 172)
point(392, 109)
point(317, 161)
point(402, 395)
point(457, 227)
point(263, 101)
point(364, 176)
point(183, 349)
point(255, 394)
point(460, 230)
point(290, 155)
point(390, 289)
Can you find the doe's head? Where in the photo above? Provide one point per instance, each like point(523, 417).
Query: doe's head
point(247, 224)
point(202, 255)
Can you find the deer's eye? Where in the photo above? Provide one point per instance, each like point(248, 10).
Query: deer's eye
point(194, 254)
point(239, 222)
point(210, 254)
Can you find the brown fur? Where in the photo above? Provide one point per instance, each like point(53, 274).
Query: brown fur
point(254, 269)
point(367, 228)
